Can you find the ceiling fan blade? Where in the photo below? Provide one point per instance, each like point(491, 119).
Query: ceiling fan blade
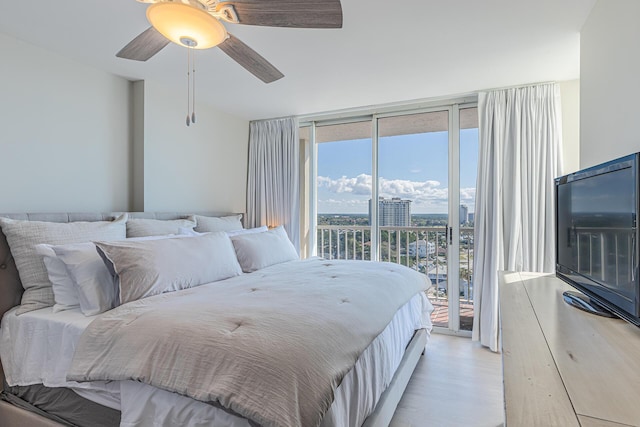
point(250, 59)
point(144, 46)
point(289, 13)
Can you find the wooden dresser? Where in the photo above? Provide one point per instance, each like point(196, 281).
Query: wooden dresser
point(562, 366)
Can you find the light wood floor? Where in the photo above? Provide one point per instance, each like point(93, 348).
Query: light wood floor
point(457, 383)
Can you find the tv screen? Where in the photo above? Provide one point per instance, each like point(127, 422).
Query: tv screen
point(596, 234)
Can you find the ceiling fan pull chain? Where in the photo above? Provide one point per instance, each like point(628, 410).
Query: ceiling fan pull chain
point(188, 84)
point(193, 109)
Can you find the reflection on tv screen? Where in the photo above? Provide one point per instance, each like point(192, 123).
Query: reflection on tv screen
point(596, 229)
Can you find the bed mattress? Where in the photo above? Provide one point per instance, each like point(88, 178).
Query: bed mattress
point(37, 348)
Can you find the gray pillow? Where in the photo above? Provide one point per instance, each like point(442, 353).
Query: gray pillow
point(152, 267)
point(221, 223)
point(157, 227)
point(23, 236)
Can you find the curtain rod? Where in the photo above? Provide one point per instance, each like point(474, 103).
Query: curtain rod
point(275, 118)
point(516, 86)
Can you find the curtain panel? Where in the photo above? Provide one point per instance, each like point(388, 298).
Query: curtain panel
point(519, 156)
point(273, 178)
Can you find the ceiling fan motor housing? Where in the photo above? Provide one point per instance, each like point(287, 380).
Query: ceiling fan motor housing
point(220, 10)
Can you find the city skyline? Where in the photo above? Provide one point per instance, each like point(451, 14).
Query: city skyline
point(412, 167)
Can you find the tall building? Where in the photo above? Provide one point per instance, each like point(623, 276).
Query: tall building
point(393, 212)
point(464, 214)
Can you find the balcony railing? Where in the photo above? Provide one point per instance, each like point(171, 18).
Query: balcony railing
point(421, 248)
point(604, 253)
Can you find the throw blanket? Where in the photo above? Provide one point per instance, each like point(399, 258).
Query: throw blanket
point(271, 346)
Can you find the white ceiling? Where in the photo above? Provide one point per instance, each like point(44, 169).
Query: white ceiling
point(386, 52)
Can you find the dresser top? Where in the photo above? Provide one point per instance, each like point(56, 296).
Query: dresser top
point(562, 364)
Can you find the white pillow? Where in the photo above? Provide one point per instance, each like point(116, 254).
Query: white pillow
point(65, 293)
point(221, 223)
point(186, 231)
point(157, 227)
point(192, 232)
point(247, 231)
point(23, 236)
point(94, 284)
point(259, 250)
point(153, 267)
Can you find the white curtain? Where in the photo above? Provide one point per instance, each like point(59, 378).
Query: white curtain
point(273, 178)
point(519, 157)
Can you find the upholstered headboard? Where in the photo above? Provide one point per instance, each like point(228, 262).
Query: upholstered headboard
point(10, 285)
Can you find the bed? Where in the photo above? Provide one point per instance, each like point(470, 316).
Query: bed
point(43, 369)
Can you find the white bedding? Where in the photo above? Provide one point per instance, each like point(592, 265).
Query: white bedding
point(37, 347)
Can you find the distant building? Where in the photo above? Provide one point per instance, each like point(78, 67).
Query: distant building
point(393, 212)
point(424, 248)
point(471, 216)
point(464, 214)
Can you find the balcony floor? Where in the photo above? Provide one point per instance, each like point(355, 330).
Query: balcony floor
point(440, 315)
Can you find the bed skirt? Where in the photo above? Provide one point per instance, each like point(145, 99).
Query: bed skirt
point(61, 405)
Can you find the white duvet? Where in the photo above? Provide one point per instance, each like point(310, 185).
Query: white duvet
point(37, 347)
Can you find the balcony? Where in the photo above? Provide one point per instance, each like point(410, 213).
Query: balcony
point(421, 248)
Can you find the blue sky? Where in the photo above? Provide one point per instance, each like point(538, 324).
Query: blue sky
point(413, 167)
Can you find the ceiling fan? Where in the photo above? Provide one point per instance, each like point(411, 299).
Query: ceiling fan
point(197, 24)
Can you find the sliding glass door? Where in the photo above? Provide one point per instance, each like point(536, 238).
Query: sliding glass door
point(413, 198)
point(391, 187)
point(343, 189)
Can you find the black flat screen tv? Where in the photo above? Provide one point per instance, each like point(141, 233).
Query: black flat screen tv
point(597, 235)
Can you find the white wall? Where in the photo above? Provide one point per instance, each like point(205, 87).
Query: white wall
point(609, 81)
point(69, 142)
point(64, 133)
point(570, 99)
point(202, 167)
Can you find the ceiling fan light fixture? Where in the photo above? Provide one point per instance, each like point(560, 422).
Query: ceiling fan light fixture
point(186, 25)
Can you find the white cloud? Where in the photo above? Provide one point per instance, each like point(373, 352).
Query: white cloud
point(360, 185)
point(467, 195)
point(352, 192)
point(418, 191)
